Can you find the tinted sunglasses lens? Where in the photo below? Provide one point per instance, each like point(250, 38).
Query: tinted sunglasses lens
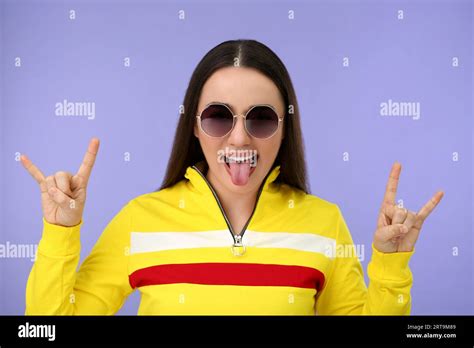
point(262, 122)
point(216, 120)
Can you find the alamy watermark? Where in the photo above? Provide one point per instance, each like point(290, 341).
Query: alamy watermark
point(237, 156)
point(400, 109)
point(28, 330)
point(346, 251)
point(81, 109)
point(21, 251)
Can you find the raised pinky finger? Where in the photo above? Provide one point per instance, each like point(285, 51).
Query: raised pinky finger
point(430, 205)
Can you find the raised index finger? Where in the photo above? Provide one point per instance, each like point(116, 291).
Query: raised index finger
point(89, 159)
point(392, 184)
point(32, 169)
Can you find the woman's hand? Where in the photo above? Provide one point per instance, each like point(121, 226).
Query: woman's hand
point(398, 228)
point(63, 195)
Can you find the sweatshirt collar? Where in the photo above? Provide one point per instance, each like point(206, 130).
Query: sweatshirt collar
point(196, 175)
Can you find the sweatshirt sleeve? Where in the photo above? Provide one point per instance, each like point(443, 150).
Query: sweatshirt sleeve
point(99, 287)
point(345, 292)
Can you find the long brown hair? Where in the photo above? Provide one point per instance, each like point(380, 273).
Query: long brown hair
point(253, 54)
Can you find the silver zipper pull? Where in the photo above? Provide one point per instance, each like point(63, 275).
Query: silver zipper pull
point(238, 249)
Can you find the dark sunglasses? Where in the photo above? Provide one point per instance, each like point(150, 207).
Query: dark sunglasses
point(218, 120)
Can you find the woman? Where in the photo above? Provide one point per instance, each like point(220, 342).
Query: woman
point(237, 166)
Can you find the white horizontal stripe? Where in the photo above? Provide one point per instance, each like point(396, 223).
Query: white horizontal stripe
point(299, 241)
point(142, 242)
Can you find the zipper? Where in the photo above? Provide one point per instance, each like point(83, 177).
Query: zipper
point(236, 238)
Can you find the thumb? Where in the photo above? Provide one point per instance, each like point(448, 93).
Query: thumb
point(391, 231)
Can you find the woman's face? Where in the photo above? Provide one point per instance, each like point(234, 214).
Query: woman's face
point(240, 88)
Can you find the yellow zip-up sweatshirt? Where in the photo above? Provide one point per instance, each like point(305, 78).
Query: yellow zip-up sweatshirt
point(295, 257)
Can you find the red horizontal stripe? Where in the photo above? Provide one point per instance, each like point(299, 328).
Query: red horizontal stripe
point(251, 274)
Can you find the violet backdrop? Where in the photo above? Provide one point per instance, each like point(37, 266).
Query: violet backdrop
point(425, 57)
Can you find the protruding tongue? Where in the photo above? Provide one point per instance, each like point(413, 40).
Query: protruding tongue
point(240, 173)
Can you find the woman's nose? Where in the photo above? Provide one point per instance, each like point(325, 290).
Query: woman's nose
point(239, 135)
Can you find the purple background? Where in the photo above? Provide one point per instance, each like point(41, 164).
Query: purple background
point(137, 110)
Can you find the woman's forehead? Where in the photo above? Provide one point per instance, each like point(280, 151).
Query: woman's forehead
point(240, 88)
